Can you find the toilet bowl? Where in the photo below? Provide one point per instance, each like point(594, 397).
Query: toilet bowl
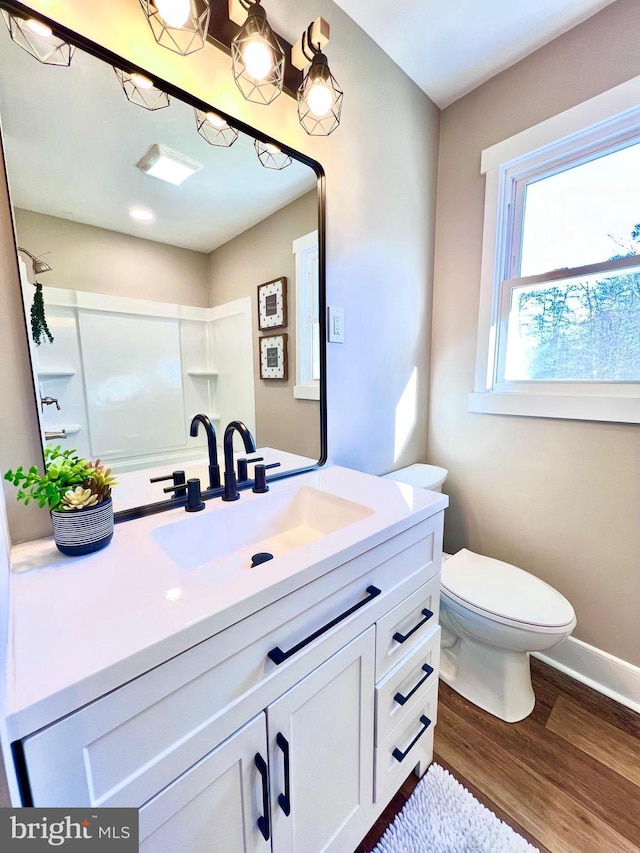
point(493, 615)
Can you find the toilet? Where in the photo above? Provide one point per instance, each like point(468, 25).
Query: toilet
point(493, 615)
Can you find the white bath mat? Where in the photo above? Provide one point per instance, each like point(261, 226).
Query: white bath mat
point(441, 816)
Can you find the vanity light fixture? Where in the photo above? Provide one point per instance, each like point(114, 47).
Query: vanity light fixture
point(271, 156)
point(257, 57)
point(168, 165)
point(141, 91)
point(142, 214)
point(319, 96)
point(215, 129)
point(38, 40)
point(178, 25)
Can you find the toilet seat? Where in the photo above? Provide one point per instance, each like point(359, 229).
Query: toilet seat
point(505, 593)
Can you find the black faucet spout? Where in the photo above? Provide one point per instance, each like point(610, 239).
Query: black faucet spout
point(214, 468)
point(230, 484)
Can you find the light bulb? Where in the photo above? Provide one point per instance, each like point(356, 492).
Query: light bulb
point(216, 121)
point(142, 214)
point(319, 99)
point(39, 28)
point(258, 59)
point(141, 81)
point(175, 13)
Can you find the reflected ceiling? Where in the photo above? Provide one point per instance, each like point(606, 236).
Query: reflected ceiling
point(231, 193)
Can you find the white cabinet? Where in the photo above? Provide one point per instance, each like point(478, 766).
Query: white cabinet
point(321, 754)
point(288, 731)
point(320, 759)
point(216, 804)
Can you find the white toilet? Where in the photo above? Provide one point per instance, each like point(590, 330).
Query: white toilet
point(492, 615)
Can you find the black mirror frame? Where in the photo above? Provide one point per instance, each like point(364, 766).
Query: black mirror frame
point(102, 53)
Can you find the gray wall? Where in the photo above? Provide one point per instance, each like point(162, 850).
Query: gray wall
point(258, 255)
point(380, 176)
point(557, 497)
point(100, 261)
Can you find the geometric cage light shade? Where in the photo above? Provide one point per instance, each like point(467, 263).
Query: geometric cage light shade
point(38, 40)
point(140, 90)
point(319, 98)
point(178, 25)
point(270, 156)
point(257, 57)
point(214, 129)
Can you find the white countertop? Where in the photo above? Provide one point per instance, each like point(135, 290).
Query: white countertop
point(82, 626)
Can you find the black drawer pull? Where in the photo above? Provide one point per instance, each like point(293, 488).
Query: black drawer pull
point(263, 821)
point(398, 754)
point(285, 799)
point(400, 699)
point(400, 638)
point(278, 656)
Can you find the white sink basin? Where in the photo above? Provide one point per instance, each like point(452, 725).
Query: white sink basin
point(275, 523)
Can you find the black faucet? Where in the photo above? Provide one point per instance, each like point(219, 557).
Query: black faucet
point(214, 468)
point(230, 486)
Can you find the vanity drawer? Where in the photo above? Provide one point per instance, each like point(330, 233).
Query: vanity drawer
point(402, 689)
point(123, 748)
point(404, 627)
point(409, 743)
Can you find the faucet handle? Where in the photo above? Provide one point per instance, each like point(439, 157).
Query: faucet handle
point(178, 478)
point(260, 484)
point(243, 473)
point(194, 494)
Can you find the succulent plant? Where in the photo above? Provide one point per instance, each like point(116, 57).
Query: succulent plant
point(79, 498)
point(65, 481)
point(100, 481)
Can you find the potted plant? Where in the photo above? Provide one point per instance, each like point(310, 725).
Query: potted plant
point(78, 494)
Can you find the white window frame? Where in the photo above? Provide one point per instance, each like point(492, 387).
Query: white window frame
point(607, 121)
point(306, 252)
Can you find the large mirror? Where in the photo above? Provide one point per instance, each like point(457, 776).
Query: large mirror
point(208, 302)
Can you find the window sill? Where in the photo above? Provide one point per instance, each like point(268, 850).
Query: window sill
point(306, 392)
point(582, 408)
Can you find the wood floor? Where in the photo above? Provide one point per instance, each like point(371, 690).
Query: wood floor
point(567, 778)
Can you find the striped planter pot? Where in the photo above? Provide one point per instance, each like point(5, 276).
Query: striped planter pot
point(82, 531)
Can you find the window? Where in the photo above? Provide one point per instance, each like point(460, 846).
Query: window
point(307, 257)
point(559, 325)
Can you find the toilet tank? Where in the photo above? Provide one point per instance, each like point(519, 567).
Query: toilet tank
point(420, 475)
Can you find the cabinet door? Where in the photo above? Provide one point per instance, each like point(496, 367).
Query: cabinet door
point(321, 754)
point(216, 804)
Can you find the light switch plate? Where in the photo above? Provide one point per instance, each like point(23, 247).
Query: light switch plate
point(336, 325)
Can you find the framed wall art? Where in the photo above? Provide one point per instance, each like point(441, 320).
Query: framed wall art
point(272, 304)
point(273, 357)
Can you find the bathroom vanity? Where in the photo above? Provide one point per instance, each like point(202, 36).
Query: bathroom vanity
point(241, 709)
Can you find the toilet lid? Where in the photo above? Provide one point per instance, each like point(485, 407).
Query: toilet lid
point(503, 591)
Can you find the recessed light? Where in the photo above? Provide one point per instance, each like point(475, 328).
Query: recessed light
point(142, 214)
point(168, 165)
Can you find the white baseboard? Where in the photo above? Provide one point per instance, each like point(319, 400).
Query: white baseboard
point(607, 674)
